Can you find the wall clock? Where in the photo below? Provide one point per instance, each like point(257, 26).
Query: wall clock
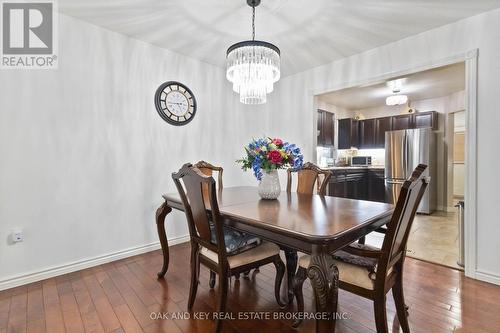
point(175, 103)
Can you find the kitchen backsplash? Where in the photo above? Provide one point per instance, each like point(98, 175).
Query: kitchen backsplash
point(378, 155)
point(328, 155)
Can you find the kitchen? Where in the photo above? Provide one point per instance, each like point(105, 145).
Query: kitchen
point(371, 137)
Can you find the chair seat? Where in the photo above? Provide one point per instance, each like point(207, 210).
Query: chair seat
point(355, 270)
point(263, 251)
point(236, 241)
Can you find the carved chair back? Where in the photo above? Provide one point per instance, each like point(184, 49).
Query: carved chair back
point(190, 183)
point(398, 229)
point(309, 175)
point(209, 169)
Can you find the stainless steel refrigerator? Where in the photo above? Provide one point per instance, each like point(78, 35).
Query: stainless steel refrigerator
point(404, 150)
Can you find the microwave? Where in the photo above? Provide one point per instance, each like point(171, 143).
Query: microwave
point(361, 160)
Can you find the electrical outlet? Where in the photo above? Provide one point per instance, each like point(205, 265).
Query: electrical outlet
point(17, 235)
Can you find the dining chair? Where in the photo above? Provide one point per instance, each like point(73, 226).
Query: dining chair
point(307, 177)
point(370, 272)
point(235, 238)
point(209, 169)
point(208, 246)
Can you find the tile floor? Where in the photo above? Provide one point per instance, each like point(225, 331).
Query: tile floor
point(433, 238)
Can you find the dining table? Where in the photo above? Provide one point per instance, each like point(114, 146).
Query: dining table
point(314, 224)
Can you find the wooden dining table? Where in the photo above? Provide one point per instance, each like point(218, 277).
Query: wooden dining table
point(313, 224)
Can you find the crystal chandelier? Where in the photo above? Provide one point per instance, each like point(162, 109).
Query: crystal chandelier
point(253, 66)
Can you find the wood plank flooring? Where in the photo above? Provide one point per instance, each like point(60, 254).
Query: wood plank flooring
point(122, 296)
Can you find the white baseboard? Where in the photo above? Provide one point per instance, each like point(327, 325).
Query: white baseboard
point(488, 277)
point(23, 279)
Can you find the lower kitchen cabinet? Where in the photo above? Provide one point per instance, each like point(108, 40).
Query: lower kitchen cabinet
point(376, 185)
point(348, 183)
point(357, 185)
point(363, 184)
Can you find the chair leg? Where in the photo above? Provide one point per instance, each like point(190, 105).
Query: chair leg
point(298, 282)
point(211, 282)
point(195, 272)
point(280, 272)
point(380, 314)
point(401, 307)
point(223, 287)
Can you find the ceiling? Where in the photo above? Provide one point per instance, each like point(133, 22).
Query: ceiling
point(432, 83)
point(308, 32)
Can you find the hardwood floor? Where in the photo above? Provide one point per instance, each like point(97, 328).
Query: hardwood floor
point(122, 296)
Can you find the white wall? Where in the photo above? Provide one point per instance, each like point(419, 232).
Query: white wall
point(85, 157)
point(482, 32)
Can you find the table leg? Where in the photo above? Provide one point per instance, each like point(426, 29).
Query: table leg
point(324, 277)
point(161, 214)
point(291, 268)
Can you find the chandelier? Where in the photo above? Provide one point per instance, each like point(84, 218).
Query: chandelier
point(253, 66)
point(396, 98)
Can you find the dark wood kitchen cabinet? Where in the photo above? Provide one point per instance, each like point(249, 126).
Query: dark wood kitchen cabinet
point(370, 133)
point(326, 128)
point(402, 122)
point(367, 129)
point(349, 183)
point(428, 119)
point(356, 184)
point(361, 184)
point(336, 186)
point(376, 185)
point(425, 120)
point(348, 133)
point(382, 125)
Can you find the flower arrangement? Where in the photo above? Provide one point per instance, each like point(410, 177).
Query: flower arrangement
point(268, 154)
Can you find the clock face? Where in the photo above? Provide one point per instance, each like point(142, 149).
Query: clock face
point(175, 103)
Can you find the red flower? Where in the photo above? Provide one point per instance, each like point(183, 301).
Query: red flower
point(277, 141)
point(274, 156)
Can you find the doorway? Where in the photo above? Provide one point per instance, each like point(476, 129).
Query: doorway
point(439, 94)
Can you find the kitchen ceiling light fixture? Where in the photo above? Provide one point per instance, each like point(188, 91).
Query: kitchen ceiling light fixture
point(253, 66)
point(396, 99)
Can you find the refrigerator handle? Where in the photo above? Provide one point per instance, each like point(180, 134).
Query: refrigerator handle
point(405, 154)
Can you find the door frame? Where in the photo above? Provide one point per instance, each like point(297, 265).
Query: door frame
point(470, 194)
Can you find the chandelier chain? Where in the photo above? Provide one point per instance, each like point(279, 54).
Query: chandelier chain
point(253, 22)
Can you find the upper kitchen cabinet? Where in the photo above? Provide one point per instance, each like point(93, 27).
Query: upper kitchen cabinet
point(326, 128)
point(425, 120)
point(382, 125)
point(370, 133)
point(367, 129)
point(402, 122)
point(348, 133)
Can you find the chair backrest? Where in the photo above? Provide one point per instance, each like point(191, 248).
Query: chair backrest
point(309, 175)
point(190, 183)
point(208, 169)
point(398, 229)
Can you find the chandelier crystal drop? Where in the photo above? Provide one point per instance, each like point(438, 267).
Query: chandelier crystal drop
point(253, 66)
